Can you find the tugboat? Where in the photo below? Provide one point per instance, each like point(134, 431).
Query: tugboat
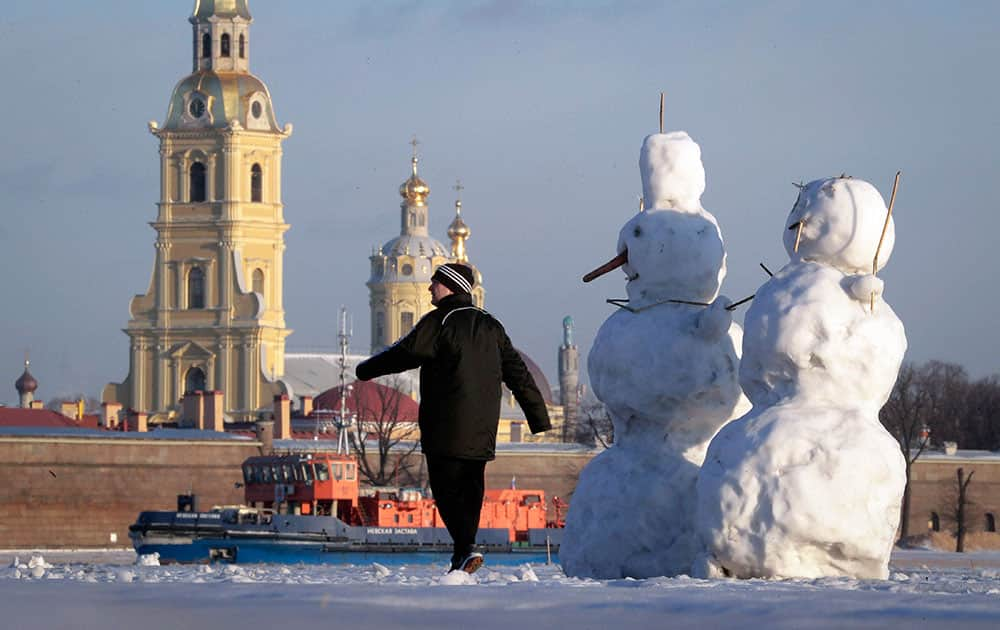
point(304, 507)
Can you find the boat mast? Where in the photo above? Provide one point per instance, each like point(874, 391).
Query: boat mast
point(344, 420)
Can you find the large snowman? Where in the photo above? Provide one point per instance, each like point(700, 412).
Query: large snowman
point(809, 483)
point(666, 367)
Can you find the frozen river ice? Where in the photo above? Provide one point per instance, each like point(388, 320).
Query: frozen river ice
point(102, 589)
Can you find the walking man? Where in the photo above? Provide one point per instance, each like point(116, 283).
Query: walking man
point(464, 355)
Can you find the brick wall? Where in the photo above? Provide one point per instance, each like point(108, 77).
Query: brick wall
point(72, 492)
point(934, 491)
point(76, 492)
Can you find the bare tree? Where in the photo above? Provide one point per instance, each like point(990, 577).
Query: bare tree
point(594, 424)
point(906, 416)
point(961, 507)
point(385, 431)
point(981, 424)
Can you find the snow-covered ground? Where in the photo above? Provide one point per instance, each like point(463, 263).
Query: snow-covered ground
point(112, 590)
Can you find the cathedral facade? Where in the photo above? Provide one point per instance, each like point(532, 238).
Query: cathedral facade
point(212, 317)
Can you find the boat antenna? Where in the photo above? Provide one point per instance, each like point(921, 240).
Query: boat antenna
point(344, 420)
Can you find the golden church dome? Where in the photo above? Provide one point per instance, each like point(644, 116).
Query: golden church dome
point(414, 189)
point(205, 9)
point(458, 228)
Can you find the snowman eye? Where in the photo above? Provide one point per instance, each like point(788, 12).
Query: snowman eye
point(637, 232)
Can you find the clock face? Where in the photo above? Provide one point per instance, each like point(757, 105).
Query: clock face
point(197, 107)
point(256, 109)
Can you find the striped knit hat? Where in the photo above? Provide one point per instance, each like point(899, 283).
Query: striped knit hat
point(456, 277)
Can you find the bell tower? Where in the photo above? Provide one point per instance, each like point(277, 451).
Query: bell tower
point(212, 317)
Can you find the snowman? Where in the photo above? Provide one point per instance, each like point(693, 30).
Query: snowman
point(809, 483)
point(665, 365)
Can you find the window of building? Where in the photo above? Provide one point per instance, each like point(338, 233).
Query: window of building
point(243, 46)
point(224, 45)
point(194, 381)
point(258, 281)
point(934, 524)
point(991, 522)
point(206, 46)
point(405, 322)
point(350, 472)
point(256, 185)
point(197, 177)
point(380, 328)
point(196, 288)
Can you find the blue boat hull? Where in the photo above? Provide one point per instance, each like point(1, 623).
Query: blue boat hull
point(225, 536)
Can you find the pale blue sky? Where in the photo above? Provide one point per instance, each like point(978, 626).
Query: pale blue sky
point(540, 109)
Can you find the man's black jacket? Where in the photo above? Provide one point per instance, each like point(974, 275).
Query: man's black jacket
point(463, 354)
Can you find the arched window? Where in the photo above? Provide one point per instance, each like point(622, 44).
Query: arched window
point(256, 185)
point(243, 47)
point(935, 523)
point(206, 46)
point(258, 281)
point(991, 522)
point(379, 328)
point(197, 182)
point(224, 45)
point(196, 288)
point(405, 322)
point(194, 381)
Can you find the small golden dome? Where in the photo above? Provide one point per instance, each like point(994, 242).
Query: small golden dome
point(458, 228)
point(414, 189)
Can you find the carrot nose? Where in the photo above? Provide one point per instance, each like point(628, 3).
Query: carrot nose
point(611, 265)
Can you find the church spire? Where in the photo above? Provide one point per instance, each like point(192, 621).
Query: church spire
point(221, 35)
point(458, 231)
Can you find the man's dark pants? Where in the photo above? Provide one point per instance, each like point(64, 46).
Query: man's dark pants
point(458, 486)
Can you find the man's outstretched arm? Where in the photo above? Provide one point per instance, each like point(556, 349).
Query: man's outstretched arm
point(409, 352)
point(517, 377)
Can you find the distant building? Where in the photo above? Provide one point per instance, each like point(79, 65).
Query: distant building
point(401, 269)
point(212, 317)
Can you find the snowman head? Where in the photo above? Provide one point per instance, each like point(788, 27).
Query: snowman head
point(672, 255)
point(838, 221)
point(672, 173)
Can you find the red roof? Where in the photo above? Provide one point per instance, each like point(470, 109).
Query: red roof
point(370, 400)
point(20, 417)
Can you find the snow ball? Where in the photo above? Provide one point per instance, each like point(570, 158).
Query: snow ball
point(527, 574)
point(672, 173)
point(457, 578)
point(806, 336)
point(842, 220)
point(38, 561)
point(381, 570)
point(148, 559)
point(672, 256)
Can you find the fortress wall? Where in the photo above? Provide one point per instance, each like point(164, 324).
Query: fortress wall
point(934, 489)
point(71, 492)
point(75, 492)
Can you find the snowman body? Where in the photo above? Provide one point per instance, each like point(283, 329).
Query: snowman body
point(809, 483)
point(667, 370)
